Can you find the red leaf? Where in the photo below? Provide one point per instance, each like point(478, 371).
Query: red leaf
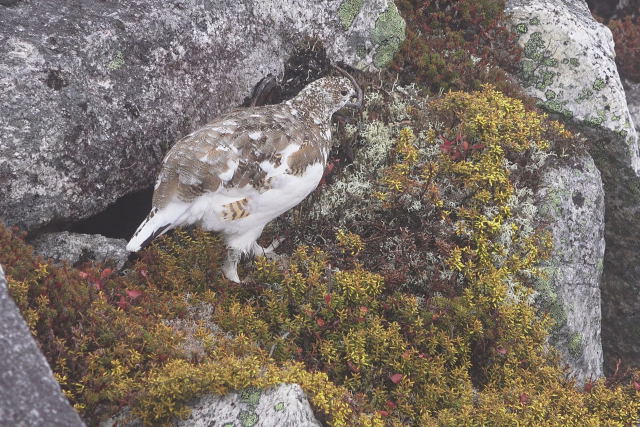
point(390, 404)
point(83, 275)
point(329, 168)
point(396, 378)
point(588, 386)
point(143, 273)
point(446, 146)
point(133, 293)
point(122, 304)
point(421, 355)
point(501, 350)
point(320, 321)
point(465, 145)
point(636, 385)
point(364, 310)
point(352, 367)
point(106, 273)
point(524, 398)
point(327, 299)
point(383, 413)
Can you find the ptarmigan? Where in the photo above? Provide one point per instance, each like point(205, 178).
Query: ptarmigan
point(245, 168)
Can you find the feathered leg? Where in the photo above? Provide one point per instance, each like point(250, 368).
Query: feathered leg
point(230, 266)
point(269, 251)
point(238, 244)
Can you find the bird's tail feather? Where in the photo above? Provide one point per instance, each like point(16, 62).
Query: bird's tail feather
point(155, 224)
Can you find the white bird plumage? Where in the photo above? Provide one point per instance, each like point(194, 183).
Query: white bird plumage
point(245, 168)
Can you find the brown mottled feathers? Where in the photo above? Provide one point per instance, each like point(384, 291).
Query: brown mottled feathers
point(240, 139)
point(298, 161)
point(235, 210)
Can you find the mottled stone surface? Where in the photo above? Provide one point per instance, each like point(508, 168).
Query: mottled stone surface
point(78, 248)
point(569, 66)
point(632, 91)
point(573, 205)
point(284, 406)
point(29, 395)
point(92, 94)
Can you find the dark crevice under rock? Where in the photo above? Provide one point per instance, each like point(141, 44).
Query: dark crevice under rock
point(120, 220)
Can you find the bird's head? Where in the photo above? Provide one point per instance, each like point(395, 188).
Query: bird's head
point(327, 95)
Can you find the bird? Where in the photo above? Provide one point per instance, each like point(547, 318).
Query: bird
point(247, 167)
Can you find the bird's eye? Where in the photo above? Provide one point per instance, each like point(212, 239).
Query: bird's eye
point(344, 92)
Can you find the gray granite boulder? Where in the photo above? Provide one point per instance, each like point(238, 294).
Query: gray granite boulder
point(78, 248)
point(29, 395)
point(573, 206)
point(569, 66)
point(92, 94)
point(285, 405)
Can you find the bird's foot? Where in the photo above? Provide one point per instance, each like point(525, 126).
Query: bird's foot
point(230, 266)
point(269, 251)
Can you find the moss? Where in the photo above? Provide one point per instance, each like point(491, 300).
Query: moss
point(348, 11)
point(388, 33)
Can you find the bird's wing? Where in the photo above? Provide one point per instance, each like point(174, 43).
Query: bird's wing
point(241, 148)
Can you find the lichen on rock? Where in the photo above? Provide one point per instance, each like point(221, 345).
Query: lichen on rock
point(387, 34)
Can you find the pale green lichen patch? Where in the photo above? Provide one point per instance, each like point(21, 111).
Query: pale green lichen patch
point(585, 94)
point(279, 406)
point(248, 418)
point(534, 47)
point(250, 396)
point(597, 120)
point(540, 70)
point(117, 62)
point(348, 11)
point(521, 28)
point(598, 84)
point(575, 344)
point(557, 106)
point(388, 33)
